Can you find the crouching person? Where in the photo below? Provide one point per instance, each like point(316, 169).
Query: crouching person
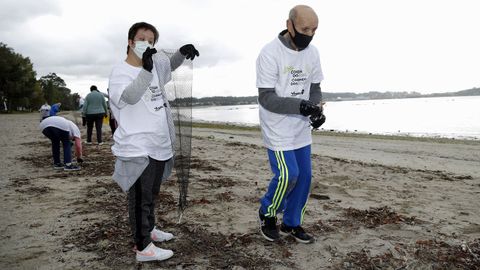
point(60, 130)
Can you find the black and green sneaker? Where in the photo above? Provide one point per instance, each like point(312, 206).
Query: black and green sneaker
point(268, 227)
point(298, 233)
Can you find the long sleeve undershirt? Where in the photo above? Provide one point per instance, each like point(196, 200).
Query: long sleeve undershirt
point(135, 90)
point(269, 100)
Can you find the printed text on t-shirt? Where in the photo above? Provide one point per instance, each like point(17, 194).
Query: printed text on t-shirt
point(298, 77)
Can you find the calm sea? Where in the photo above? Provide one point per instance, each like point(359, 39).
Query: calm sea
point(451, 117)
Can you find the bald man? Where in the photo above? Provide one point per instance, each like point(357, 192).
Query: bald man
point(288, 82)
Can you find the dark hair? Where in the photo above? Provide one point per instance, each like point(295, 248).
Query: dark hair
point(93, 87)
point(141, 25)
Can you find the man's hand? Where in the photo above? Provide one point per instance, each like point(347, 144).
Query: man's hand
point(147, 59)
point(308, 108)
point(189, 51)
point(317, 119)
point(80, 160)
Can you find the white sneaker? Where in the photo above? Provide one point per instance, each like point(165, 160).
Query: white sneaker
point(153, 253)
point(160, 236)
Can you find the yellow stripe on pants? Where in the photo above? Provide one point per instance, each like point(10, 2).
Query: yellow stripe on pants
point(279, 184)
point(282, 184)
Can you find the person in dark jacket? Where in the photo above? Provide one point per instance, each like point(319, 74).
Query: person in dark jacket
point(94, 108)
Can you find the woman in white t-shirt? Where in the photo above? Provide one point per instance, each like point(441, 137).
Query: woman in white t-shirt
point(145, 135)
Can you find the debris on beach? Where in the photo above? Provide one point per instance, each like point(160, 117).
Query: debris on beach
point(374, 217)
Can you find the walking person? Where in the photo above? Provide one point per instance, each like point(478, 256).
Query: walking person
point(94, 108)
point(60, 130)
point(288, 81)
point(145, 135)
point(81, 102)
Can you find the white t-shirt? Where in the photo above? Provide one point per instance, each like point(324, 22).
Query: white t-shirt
point(142, 127)
point(290, 73)
point(45, 110)
point(60, 123)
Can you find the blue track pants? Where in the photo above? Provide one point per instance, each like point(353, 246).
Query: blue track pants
point(290, 186)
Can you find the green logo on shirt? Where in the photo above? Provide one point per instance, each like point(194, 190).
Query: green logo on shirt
point(287, 69)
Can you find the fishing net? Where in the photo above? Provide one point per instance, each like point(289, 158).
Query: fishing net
point(179, 94)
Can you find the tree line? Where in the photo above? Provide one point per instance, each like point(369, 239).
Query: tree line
point(395, 95)
point(214, 101)
point(20, 90)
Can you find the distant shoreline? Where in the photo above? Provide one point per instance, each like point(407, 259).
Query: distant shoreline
point(240, 127)
point(326, 100)
point(329, 97)
point(321, 132)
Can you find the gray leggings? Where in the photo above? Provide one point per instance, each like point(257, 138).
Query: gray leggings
point(141, 202)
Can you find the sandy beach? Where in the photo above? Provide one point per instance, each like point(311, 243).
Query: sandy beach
point(377, 202)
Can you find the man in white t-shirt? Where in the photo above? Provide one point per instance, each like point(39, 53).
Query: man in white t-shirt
point(288, 81)
point(145, 136)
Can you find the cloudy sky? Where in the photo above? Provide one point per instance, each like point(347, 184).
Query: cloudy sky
point(370, 45)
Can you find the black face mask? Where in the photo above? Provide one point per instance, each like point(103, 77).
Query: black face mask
point(300, 40)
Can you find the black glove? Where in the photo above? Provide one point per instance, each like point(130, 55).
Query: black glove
point(189, 51)
point(80, 160)
point(308, 108)
point(147, 59)
point(316, 120)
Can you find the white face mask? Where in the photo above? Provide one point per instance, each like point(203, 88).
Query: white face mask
point(140, 47)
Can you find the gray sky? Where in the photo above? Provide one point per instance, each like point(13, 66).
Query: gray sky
point(370, 45)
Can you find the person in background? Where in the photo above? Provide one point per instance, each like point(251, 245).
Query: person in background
point(55, 109)
point(94, 108)
point(145, 136)
point(81, 102)
point(111, 117)
point(44, 111)
point(288, 82)
point(3, 103)
point(60, 130)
